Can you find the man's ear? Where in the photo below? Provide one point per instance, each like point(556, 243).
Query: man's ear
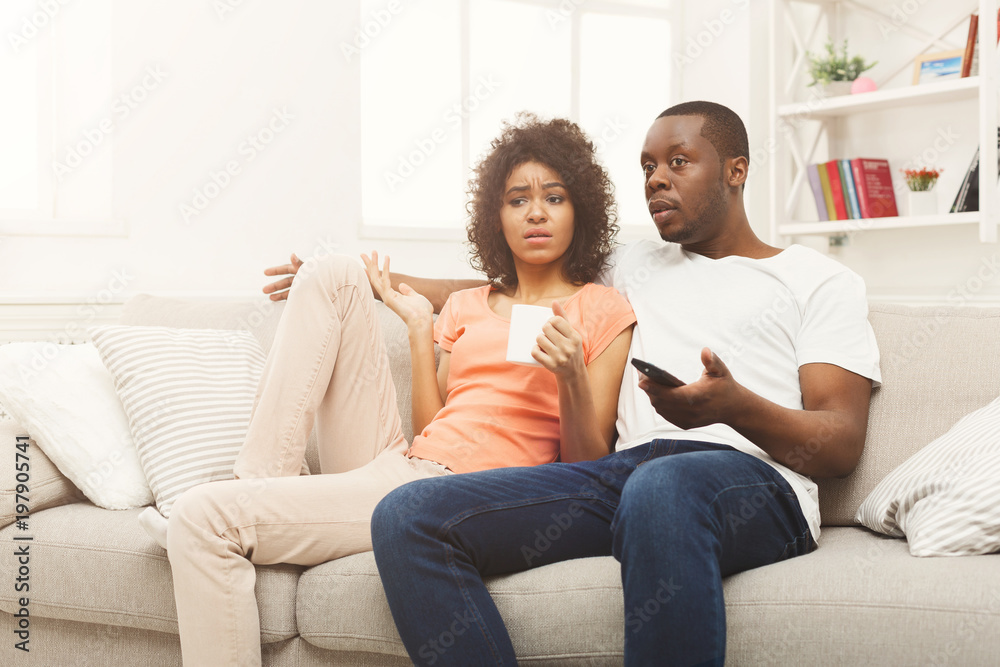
point(736, 171)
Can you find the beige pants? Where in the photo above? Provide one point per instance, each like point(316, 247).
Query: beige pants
point(327, 366)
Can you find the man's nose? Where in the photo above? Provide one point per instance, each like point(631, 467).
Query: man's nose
point(659, 179)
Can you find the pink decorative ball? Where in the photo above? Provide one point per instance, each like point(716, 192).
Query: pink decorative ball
point(863, 85)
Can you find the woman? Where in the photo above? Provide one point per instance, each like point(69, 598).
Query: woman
point(541, 228)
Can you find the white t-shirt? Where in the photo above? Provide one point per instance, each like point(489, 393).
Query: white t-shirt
point(763, 317)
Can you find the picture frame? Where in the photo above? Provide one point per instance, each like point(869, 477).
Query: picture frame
point(941, 66)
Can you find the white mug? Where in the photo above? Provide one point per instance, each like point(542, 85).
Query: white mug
point(526, 323)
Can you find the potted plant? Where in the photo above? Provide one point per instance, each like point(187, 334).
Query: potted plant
point(921, 183)
point(834, 71)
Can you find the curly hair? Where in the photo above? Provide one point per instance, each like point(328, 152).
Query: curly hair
point(563, 147)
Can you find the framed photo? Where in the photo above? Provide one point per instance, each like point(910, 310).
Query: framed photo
point(943, 66)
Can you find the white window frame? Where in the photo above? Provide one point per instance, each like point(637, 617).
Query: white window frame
point(385, 230)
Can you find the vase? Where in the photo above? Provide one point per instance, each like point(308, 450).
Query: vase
point(836, 89)
point(923, 203)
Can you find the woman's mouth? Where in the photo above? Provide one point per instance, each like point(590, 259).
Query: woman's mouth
point(537, 236)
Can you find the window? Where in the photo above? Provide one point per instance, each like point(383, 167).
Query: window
point(438, 78)
point(56, 127)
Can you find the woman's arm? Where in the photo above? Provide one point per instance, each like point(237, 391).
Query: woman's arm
point(417, 313)
point(588, 394)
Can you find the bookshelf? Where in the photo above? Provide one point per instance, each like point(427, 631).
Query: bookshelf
point(790, 114)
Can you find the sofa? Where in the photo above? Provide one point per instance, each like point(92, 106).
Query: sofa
point(101, 591)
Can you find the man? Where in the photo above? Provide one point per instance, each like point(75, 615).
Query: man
point(780, 361)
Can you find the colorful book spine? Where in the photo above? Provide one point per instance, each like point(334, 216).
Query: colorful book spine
point(880, 198)
point(848, 177)
point(837, 190)
point(824, 181)
point(859, 187)
point(813, 173)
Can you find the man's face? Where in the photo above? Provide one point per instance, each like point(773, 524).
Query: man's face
point(685, 190)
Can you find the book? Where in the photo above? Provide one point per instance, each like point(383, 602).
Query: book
point(963, 201)
point(844, 192)
point(970, 62)
point(836, 190)
point(824, 181)
point(817, 188)
point(859, 187)
point(970, 45)
point(967, 198)
point(847, 175)
point(873, 182)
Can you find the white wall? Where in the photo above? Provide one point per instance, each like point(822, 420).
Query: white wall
point(225, 76)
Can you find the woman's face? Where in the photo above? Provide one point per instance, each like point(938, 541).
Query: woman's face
point(536, 214)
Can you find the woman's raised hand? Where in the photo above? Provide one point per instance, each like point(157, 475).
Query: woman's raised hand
point(560, 347)
point(413, 308)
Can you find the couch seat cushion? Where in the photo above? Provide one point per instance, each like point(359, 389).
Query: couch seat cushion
point(98, 566)
point(568, 613)
point(857, 597)
point(861, 598)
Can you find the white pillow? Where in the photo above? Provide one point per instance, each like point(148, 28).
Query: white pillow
point(66, 399)
point(188, 394)
point(945, 498)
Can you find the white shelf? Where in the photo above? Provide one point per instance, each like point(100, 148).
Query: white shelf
point(946, 91)
point(825, 228)
point(791, 34)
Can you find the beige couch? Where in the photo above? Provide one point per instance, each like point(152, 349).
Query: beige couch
point(101, 589)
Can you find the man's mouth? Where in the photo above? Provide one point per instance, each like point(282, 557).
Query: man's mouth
point(661, 210)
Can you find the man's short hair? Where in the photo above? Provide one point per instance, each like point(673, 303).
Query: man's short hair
point(723, 128)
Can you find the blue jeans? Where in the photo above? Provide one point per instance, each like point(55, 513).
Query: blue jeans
point(679, 515)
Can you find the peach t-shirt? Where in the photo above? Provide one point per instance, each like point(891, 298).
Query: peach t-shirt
point(500, 414)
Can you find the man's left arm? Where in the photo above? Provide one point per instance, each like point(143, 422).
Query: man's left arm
point(824, 439)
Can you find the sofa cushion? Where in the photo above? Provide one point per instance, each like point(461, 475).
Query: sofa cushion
point(260, 317)
point(188, 394)
point(571, 611)
point(859, 595)
point(938, 364)
point(66, 398)
point(862, 599)
point(945, 498)
point(98, 566)
point(48, 486)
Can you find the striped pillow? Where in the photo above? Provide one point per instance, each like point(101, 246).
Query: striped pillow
point(945, 498)
point(188, 395)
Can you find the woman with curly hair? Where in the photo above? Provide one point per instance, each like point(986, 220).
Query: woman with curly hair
point(542, 222)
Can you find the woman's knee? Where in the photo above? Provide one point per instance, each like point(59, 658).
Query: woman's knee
point(331, 272)
point(201, 511)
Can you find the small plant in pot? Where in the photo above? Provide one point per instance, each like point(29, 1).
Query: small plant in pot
point(922, 201)
point(834, 71)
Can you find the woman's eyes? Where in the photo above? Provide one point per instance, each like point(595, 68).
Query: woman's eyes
point(552, 199)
